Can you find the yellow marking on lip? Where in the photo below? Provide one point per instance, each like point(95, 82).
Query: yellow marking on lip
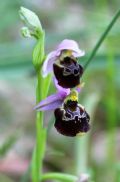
point(73, 98)
point(74, 95)
point(68, 52)
point(81, 134)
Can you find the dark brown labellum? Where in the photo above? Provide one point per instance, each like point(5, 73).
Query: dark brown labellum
point(72, 119)
point(68, 72)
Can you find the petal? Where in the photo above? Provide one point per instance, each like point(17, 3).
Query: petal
point(80, 86)
point(79, 53)
point(48, 63)
point(70, 45)
point(78, 89)
point(51, 102)
point(51, 106)
point(62, 91)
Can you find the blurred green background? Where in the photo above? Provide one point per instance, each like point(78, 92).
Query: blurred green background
point(97, 153)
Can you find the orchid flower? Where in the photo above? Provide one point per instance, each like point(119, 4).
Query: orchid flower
point(71, 118)
point(63, 62)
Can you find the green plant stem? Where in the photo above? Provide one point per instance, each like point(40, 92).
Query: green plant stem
point(38, 155)
point(81, 151)
point(59, 176)
point(39, 122)
point(100, 41)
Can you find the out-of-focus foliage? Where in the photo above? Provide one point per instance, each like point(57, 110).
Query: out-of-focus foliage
point(7, 145)
point(83, 21)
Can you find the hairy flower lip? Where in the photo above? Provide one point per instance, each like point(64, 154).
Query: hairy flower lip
point(71, 119)
point(68, 79)
point(66, 44)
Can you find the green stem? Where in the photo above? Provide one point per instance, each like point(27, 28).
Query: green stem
point(59, 176)
point(81, 152)
point(39, 151)
point(39, 126)
point(102, 39)
point(38, 144)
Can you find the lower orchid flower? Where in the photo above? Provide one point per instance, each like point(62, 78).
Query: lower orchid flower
point(63, 62)
point(71, 118)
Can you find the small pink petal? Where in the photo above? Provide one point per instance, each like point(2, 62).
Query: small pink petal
point(78, 54)
point(62, 91)
point(53, 101)
point(48, 63)
point(78, 89)
point(46, 102)
point(51, 106)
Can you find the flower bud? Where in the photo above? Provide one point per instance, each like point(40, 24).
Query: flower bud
point(30, 18)
point(25, 32)
point(33, 28)
point(32, 22)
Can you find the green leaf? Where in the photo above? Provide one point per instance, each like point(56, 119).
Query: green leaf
point(7, 145)
point(102, 38)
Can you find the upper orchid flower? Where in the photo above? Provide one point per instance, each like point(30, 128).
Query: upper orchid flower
point(63, 61)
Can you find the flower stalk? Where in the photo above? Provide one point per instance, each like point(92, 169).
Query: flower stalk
point(38, 155)
point(34, 28)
